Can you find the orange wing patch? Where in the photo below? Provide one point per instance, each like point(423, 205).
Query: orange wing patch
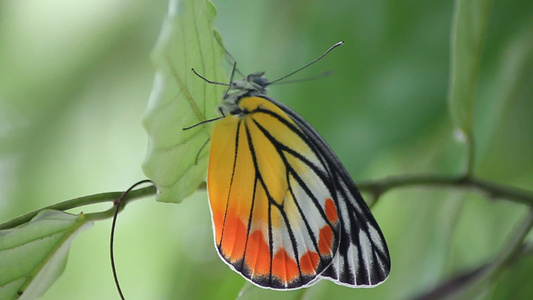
point(309, 262)
point(331, 211)
point(234, 232)
point(326, 241)
point(273, 215)
point(257, 255)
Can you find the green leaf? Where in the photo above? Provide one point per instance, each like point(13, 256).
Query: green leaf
point(468, 35)
point(177, 158)
point(34, 255)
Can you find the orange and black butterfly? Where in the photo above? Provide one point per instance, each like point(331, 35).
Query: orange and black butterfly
point(285, 211)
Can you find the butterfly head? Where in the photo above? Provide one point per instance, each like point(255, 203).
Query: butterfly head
point(252, 85)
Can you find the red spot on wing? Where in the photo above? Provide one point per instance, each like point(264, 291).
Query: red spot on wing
point(284, 267)
point(233, 237)
point(257, 254)
point(309, 263)
point(325, 241)
point(331, 211)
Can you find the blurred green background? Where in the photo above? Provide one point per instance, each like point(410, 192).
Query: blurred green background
point(75, 77)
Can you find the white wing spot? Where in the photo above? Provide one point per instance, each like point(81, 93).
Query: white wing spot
point(366, 252)
point(376, 238)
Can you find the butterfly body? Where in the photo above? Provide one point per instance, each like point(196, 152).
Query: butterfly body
point(285, 211)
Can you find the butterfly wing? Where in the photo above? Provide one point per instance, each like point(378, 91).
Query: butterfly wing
point(274, 217)
point(285, 212)
point(363, 257)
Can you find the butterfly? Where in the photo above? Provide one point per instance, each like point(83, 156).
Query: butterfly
point(285, 211)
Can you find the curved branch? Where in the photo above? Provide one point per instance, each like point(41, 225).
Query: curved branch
point(375, 187)
point(467, 281)
point(490, 189)
point(79, 202)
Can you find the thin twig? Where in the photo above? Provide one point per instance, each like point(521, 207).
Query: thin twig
point(464, 282)
point(79, 202)
point(490, 189)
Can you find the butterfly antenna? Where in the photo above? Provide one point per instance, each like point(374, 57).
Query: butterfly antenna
point(118, 207)
point(327, 73)
point(312, 62)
